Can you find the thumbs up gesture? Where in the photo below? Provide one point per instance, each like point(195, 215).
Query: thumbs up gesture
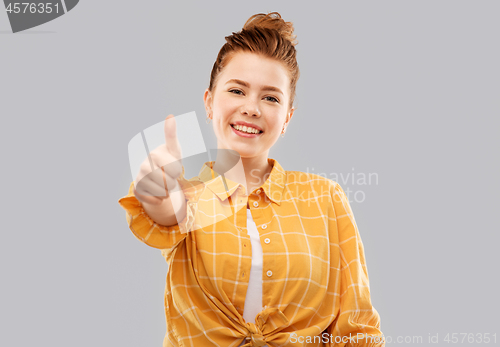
point(156, 181)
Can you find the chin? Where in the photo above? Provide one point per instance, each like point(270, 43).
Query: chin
point(246, 152)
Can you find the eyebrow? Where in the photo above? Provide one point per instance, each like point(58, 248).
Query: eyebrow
point(243, 83)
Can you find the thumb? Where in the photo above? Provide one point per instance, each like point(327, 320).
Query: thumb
point(171, 140)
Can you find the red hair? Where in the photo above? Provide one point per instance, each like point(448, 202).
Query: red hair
point(265, 34)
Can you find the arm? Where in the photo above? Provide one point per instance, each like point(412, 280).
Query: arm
point(151, 231)
point(357, 317)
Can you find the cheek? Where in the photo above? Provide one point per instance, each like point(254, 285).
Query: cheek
point(275, 123)
point(223, 109)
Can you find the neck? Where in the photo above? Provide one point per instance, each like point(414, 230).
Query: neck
point(250, 172)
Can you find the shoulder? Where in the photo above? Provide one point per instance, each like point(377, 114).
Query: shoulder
point(310, 184)
point(309, 187)
point(309, 179)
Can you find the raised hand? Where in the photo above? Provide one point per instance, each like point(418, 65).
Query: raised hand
point(158, 172)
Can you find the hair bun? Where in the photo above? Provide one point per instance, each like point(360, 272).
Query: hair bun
point(273, 21)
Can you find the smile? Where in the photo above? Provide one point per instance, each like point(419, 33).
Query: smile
point(245, 131)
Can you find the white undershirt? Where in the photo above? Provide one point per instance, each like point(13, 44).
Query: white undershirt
point(253, 299)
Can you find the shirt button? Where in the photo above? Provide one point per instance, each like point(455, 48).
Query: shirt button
point(269, 273)
point(243, 274)
point(264, 226)
point(267, 241)
point(255, 203)
point(258, 191)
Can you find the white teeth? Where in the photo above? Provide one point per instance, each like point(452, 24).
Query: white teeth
point(246, 129)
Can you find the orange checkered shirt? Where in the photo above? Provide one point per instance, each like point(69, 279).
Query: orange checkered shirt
point(315, 289)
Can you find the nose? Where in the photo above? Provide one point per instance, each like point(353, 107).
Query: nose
point(250, 108)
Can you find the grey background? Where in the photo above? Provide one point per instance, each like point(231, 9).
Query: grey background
point(405, 89)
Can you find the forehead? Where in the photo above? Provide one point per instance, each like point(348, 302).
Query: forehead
point(256, 70)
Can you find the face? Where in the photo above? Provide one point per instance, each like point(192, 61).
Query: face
point(251, 91)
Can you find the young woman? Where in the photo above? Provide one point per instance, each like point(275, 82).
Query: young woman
point(260, 256)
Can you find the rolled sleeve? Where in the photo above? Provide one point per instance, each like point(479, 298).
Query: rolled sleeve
point(156, 235)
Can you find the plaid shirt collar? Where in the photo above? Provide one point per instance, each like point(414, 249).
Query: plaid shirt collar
point(223, 188)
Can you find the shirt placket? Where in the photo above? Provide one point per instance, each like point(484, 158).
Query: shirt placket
point(259, 206)
point(239, 201)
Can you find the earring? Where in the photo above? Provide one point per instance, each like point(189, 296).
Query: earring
point(283, 133)
point(208, 120)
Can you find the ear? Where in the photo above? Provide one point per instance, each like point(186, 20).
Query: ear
point(289, 116)
point(208, 100)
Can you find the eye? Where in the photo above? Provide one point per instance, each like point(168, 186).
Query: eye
point(237, 91)
point(273, 99)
